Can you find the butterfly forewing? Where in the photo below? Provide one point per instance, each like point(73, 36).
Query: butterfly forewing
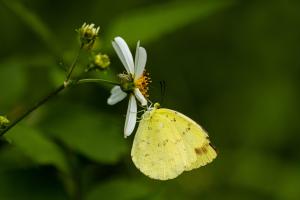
point(168, 143)
point(194, 137)
point(158, 150)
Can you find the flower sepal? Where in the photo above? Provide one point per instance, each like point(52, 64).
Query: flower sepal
point(126, 83)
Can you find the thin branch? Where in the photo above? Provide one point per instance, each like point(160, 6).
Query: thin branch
point(37, 105)
point(96, 80)
point(74, 64)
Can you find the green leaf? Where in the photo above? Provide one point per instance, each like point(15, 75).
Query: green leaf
point(125, 189)
point(98, 136)
point(37, 147)
point(35, 24)
point(149, 24)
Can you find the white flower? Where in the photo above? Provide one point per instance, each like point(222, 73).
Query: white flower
point(135, 71)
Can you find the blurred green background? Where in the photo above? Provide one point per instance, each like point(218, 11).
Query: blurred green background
point(233, 66)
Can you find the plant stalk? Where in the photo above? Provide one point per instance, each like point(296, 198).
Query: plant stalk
point(37, 105)
point(96, 80)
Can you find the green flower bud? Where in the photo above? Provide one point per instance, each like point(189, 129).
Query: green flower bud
point(3, 122)
point(101, 61)
point(88, 34)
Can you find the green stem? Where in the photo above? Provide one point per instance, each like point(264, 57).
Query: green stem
point(37, 105)
point(74, 64)
point(55, 92)
point(48, 97)
point(96, 80)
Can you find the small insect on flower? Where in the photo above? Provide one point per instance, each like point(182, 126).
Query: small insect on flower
point(88, 34)
point(167, 143)
point(134, 83)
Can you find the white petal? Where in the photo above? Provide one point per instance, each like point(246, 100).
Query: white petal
point(115, 89)
point(136, 55)
point(140, 97)
point(140, 61)
point(116, 96)
point(124, 54)
point(130, 116)
point(121, 56)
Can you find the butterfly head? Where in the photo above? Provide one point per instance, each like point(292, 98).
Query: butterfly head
point(156, 105)
point(150, 108)
point(153, 106)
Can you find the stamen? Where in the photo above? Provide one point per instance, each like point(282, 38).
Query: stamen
point(143, 84)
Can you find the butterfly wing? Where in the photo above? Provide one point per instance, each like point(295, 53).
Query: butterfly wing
point(195, 139)
point(158, 150)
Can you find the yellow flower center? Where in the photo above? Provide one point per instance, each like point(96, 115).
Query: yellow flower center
point(143, 83)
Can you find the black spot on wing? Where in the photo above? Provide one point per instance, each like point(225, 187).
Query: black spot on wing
point(202, 150)
point(165, 142)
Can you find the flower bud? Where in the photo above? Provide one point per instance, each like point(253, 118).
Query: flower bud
point(3, 122)
point(101, 61)
point(88, 34)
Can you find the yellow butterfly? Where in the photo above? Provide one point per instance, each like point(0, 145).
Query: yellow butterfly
point(168, 143)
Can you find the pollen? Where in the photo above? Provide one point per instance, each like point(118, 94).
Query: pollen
point(143, 83)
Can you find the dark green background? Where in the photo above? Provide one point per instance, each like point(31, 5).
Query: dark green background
point(232, 66)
